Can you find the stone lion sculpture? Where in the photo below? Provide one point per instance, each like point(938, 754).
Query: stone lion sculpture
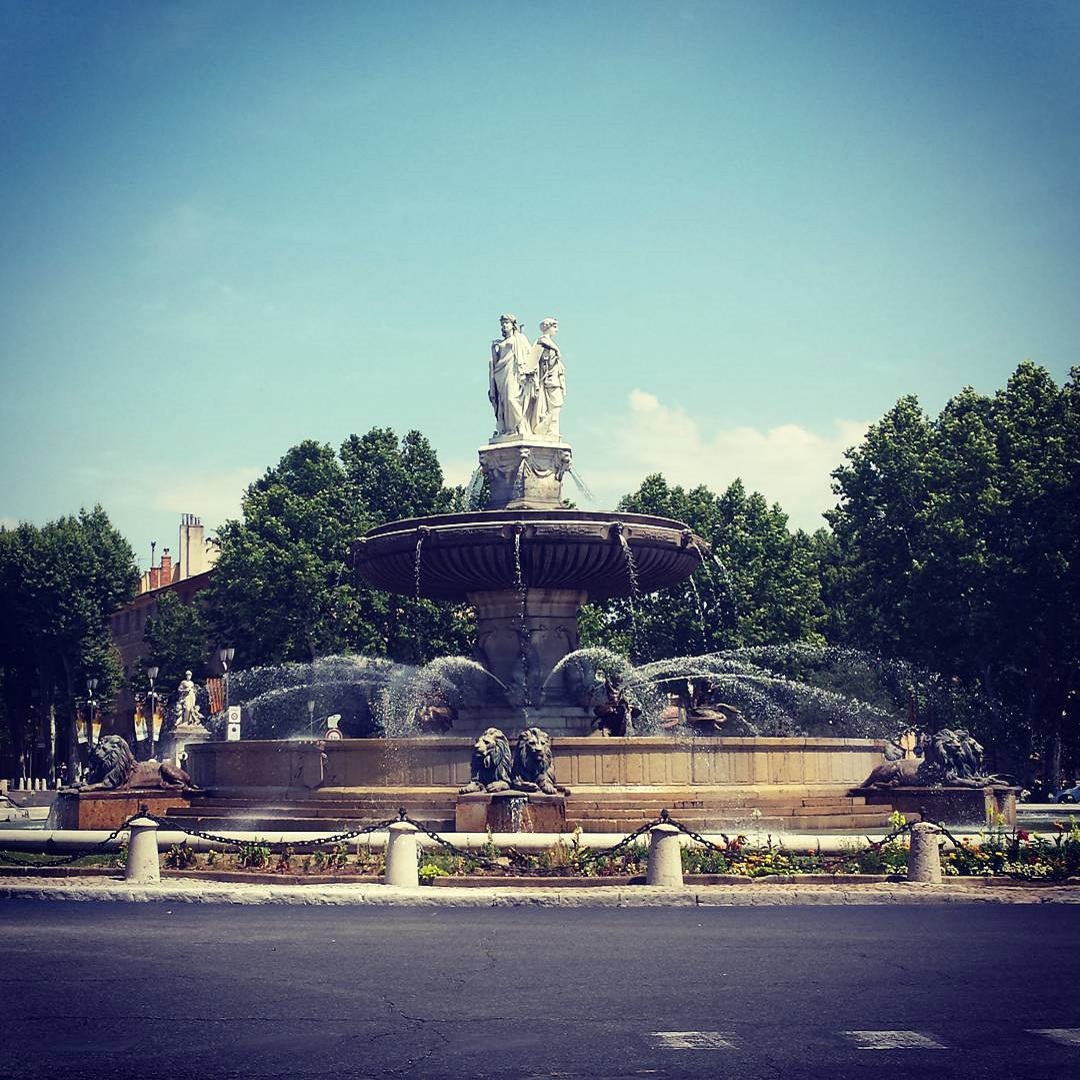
point(113, 766)
point(952, 758)
point(491, 761)
point(534, 765)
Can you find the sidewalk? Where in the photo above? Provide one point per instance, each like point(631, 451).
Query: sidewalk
point(752, 894)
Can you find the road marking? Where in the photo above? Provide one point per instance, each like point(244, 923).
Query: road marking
point(693, 1040)
point(1065, 1036)
point(893, 1040)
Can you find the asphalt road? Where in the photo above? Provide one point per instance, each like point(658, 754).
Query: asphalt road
point(150, 991)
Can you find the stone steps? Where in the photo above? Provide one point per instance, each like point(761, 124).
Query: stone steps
point(593, 810)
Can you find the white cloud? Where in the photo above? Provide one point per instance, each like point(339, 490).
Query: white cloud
point(788, 464)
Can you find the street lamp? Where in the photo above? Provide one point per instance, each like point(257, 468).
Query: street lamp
point(311, 717)
point(91, 705)
point(225, 656)
point(151, 698)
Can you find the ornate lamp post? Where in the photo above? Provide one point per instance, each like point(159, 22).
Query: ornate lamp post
point(151, 701)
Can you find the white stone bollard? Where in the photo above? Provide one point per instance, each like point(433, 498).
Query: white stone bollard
point(665, 858)
point(924, 855)
point(401, 856)
point(142, 867)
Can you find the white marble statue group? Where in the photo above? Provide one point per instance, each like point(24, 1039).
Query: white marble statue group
point(527, 382)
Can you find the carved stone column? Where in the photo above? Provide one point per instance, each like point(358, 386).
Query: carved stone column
point(522, 635)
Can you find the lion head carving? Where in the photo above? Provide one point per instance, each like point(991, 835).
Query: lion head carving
point(534, 765)
point(490, 766)
point(953, 758)
point(111, 764)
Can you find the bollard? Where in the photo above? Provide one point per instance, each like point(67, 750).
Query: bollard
point(401, 856)
point(665, 858)
point(924, 855)
point(142, 867)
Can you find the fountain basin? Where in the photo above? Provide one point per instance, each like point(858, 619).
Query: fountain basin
point(271, 768)
point(454, 556)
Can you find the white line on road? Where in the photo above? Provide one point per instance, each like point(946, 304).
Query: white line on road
point(893, 1040)
point(693, 1040)
point(1065, 1036)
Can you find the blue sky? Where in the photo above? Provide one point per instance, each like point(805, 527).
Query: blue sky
point(227, 227)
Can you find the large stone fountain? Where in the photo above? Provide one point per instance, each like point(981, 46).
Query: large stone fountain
point(527, 564)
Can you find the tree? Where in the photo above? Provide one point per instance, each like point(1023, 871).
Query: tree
point(758, 586)
point(956, 545)
point(283, 589)
point(58, 586)
point(176, 637)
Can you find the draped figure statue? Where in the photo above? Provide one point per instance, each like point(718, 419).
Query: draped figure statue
point(509, 373)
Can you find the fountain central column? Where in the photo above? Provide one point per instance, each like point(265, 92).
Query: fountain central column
point(523, 633)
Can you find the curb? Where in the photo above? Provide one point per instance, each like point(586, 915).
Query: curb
point(618, 896)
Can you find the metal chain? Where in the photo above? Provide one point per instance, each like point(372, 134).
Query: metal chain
point(63, 860)
point(276, 846)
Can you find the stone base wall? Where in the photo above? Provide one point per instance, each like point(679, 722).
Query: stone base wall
point(109, 809)
point(950, 806)
point(267, 767)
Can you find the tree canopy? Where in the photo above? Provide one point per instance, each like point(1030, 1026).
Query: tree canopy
point(956, 545)
point(283, 589)
point(759, 585)
point(59, 583)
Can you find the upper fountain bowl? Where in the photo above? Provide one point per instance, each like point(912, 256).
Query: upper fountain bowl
point(449, 556)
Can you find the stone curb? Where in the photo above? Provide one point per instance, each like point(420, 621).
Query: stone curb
point(623, 896)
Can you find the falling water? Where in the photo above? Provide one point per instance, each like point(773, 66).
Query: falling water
point(474, 490)
point(523, 628)
point(422, 535)
point(581, 485)
point(700, 610)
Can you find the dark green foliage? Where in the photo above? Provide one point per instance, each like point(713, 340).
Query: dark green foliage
point(58, 586)
point(760, 585)
point(956, 545)
point(175, 637)
point(283, 588)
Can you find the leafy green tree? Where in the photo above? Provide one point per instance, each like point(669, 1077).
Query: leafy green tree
point(956, 545)
point(176, 640)
point(758, 586)
point(58, 586)
point(283, 589)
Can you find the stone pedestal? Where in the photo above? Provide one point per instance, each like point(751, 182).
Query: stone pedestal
point(521, 634)
point(174, 742)
point(108, 809)
point(525, 475)
point(510, 811)
point(949, 805)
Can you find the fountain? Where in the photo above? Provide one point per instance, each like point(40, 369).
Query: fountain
point(527, 565)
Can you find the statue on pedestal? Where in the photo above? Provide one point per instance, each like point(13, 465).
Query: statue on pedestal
point(552, 379)
point(186, 713)
point(510, 374)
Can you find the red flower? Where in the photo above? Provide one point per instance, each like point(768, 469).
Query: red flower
point(1022, 835)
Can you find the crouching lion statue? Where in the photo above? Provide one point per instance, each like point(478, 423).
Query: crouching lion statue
point(113, 766)
point(534, 765)
point(490, 766)
point(952, 758)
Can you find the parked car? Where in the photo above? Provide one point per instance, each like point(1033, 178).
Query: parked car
point(1069, 794)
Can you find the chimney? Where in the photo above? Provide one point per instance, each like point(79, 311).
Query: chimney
point(192, 558)
point(166, 567)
